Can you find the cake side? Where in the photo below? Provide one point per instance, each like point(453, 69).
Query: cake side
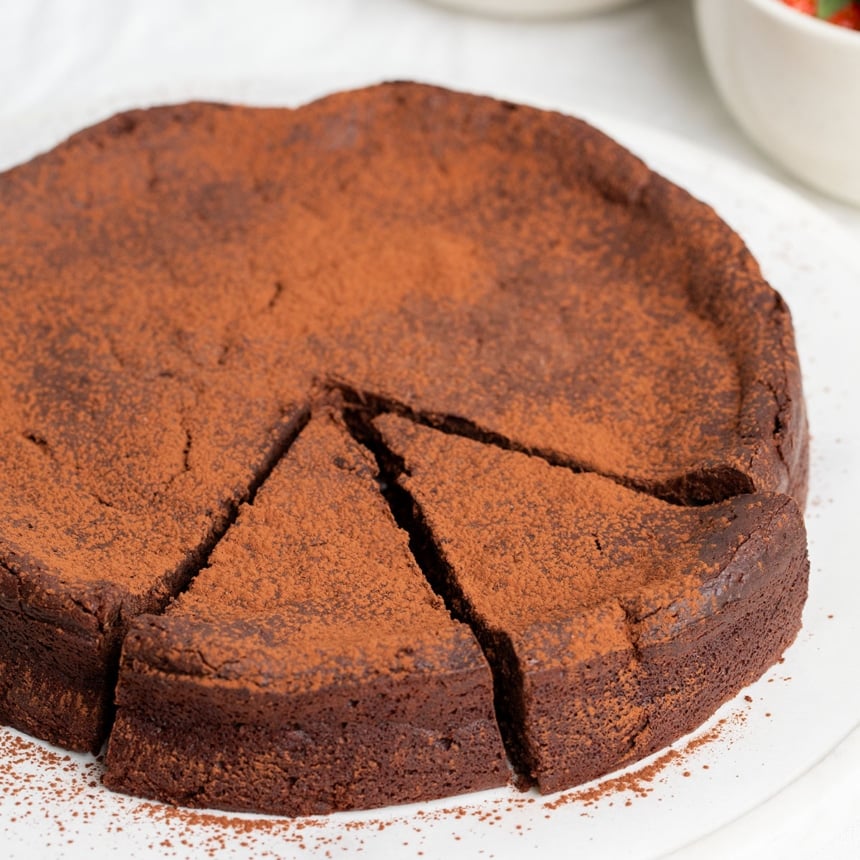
point(698, 647)
point(418, 728)
point(309, 668)
point(55, 670)
point(65, 596)
point(654, 678)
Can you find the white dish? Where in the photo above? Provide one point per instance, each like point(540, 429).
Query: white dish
point(761, 766)
point(793, 84)
point(533, 8)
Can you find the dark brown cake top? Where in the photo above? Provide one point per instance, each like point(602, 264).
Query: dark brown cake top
point(533, 545)
point(178, 283)
point(313, 585)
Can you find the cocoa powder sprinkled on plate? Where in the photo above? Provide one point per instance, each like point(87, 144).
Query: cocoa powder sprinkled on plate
point(63, 794)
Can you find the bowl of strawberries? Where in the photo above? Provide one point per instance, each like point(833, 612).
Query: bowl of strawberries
point(789, 73)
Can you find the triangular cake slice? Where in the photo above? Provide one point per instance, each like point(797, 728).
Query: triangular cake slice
point(310, 667)
point(615, 622)
point(78, 563)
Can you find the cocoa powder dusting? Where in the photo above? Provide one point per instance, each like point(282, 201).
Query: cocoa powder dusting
point(191, 291)
point(62, 795)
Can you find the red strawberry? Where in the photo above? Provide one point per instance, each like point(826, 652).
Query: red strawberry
point(847, 17)
point(807, 6)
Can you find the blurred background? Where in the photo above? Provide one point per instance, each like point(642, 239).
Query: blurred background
point(641, 61)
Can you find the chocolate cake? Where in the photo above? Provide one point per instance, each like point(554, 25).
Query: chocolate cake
point(199, 299)
point(633, 620)
point(326, 675)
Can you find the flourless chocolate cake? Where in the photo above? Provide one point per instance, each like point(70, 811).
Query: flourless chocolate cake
point(489, 323)
point(634, 619)
point(351, 684)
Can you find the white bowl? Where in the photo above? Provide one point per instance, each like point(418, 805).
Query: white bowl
point(532, 8)
point(793, 84)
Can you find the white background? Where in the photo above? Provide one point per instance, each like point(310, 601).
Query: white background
point(641, 63)
point(64, 64)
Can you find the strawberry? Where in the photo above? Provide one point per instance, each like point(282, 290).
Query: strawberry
point(848, 16)
point(843, 13)
point(810, 7)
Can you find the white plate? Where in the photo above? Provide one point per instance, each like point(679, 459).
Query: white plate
point(772, 771)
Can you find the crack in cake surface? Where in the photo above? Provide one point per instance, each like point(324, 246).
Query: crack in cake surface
point(695, 488)
point(497, 648)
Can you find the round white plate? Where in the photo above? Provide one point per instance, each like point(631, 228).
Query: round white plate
point(771, 772)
